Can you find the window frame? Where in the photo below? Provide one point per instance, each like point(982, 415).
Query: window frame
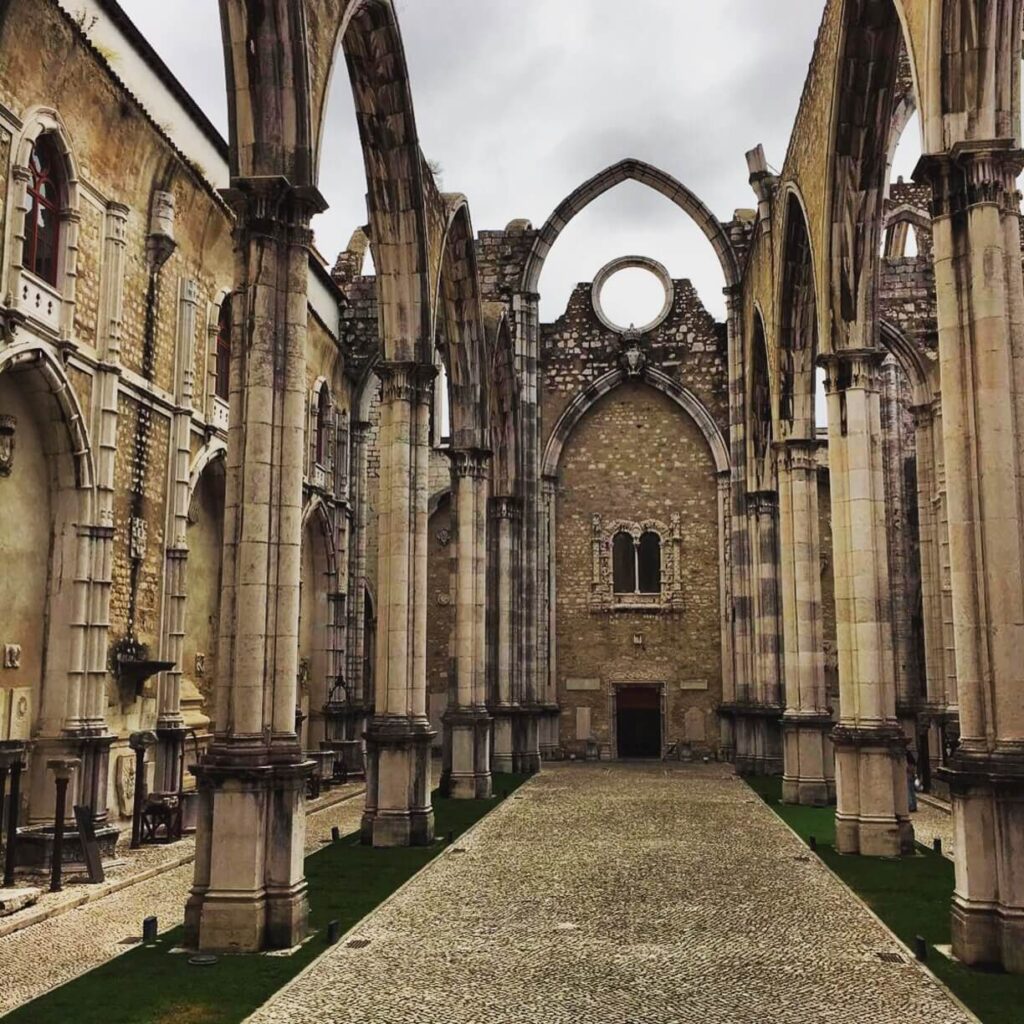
point(55, 174)
point(605, 593)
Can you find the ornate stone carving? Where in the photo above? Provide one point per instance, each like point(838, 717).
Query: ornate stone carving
point(8, 424)
point(602, 590)
point(632, 358)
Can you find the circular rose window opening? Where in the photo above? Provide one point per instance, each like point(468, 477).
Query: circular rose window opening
point(632, 292)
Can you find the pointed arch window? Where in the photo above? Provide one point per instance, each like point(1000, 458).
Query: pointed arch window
point(42, 223)
point(223, 360)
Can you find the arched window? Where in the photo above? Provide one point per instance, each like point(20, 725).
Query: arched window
point(636, 565)
point(649, 563)
point(223, 366)
point(624, 563)
point(42, 223)
point(323, 412)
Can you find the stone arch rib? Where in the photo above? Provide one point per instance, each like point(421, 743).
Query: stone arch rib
point(645, 174)
point(588, 398)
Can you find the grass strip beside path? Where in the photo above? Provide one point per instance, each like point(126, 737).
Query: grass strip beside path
point(152, 985)
point(912, 896)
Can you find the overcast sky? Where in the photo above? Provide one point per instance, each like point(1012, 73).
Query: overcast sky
point(519, 101)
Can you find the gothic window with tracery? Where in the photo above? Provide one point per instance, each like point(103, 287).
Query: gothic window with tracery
point(323, 421)
point(637, 566)
point(42, 223)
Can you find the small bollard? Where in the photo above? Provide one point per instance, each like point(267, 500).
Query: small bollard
point(451, 838)
point(333, 932)
point(937, 844)
point(148, 930)
point(812, 842)
point(920, 948)
point(335, 833)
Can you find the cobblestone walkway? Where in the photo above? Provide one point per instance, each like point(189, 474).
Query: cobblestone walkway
point(42, 956)
point(606, 894)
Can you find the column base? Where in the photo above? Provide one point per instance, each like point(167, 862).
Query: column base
point(808, 775)
point(526, 740)
point(502, 757)
point(872, 798)
point(467, 771)
point(988, 815)
point(249, 891)
point(757, 748)
point(398, 809)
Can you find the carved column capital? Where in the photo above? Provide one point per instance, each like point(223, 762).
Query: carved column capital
point(405, 381)
point(273, 207)
point(852, 369)
point(763, 503)
point(469, 463)
point(796, 454)
point(504, 507)
point(972, 173)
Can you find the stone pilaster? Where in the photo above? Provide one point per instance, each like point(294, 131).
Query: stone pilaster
point(249, 890)
point(505, 514)
point(467, 770)
point(809, 772)
point(170, 723)
point(872, 814)
point(976, 213)
point(398, 809)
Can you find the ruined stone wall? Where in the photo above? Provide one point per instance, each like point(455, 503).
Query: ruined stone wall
point(440, 610)
point(636, 456)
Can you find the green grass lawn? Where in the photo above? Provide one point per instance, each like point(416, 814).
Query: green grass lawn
point(912, 896)
point(152, 985)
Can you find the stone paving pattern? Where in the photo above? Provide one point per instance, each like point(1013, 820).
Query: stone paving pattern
point(42, 956)
point(643, 893)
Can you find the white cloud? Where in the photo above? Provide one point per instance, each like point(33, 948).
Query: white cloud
point(520, 101)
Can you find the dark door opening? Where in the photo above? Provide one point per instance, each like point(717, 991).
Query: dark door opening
point(638, 721)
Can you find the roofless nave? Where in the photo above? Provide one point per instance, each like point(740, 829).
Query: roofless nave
point(240, 484)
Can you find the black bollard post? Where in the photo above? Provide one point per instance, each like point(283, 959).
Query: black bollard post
point(335, 833)
point(333, 932)
point(149, 930)
point(920, 948)
point(140, 796)
point(812, 842)
point(13, 810)
point(57, 865)
point(937, 844)
point(451, 838)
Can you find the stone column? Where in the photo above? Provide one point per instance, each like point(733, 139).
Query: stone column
point(170, 725)
point(764, 755)
point(467, 721)
point(738, 670)
point(532, 653)
point(504, 513)
point(940, 705)
point(975, 206)
point(360, 694)
point(808, 771)
point(249, 891)
point(872, 814)
point(398, 809)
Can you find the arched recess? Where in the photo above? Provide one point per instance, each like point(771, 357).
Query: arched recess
point(867, 92)
point(504, 410)
point(760, 406)
point(583, 401)
point(922, 373)
point(46, 492)
point(798, 326)
point(205, 540)
point(317, 645)
point(459, 327)
point(645, 174)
